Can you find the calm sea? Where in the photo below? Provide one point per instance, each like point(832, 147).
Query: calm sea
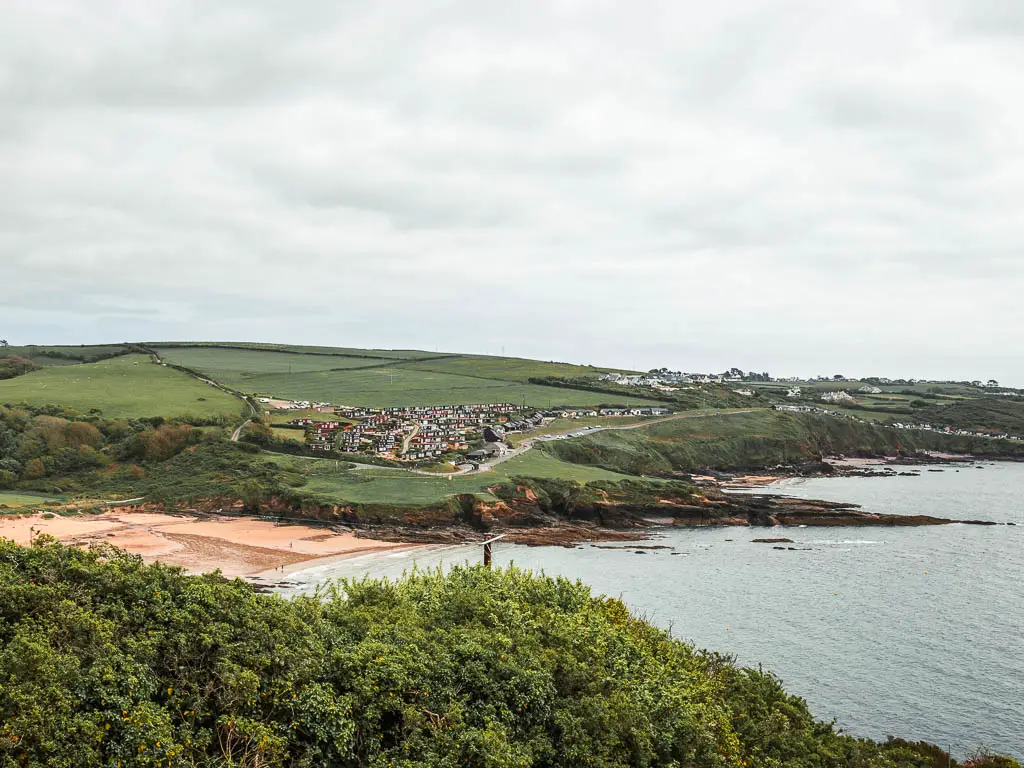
point(917, 632)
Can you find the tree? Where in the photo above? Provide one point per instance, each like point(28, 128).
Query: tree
point(3, 343)
point(34, 469)
point(81, 433)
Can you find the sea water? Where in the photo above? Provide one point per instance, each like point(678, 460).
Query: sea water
point(916, 632)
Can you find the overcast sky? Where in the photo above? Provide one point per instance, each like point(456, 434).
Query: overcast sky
point(786, 185)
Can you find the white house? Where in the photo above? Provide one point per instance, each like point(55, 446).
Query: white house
point(838, 396)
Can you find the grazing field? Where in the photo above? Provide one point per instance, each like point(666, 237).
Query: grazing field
point(22, 501)
point(297, 435)
point(506, 368)
point(123, 387)
point(370, 354)
point(398, 385)
point(283, 417)
point(382, 378)
point(236, 367)
point(385, 485)
point(880, 415)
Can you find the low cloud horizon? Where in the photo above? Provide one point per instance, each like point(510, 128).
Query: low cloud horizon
point(778, 185)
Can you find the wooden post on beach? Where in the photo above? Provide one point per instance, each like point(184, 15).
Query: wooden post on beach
point(488, 551)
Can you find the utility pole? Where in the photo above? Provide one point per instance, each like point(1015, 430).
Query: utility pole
point(487, 550)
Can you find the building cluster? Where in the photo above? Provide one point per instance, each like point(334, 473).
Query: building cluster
point(406, 432)
point(584, 413)
point(666, 380)
point(297, 405)
point(425, 432)
point(837, 396)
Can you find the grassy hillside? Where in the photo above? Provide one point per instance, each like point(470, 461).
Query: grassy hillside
point(384, 354)
point(330, 485)
point(67, 354)
point(123, 387)
point(11, 500)
point(987, 414)
point(381, 378)
point(225, 470)
point(398, 385)
point(506, 368)
point(752, 441)
point(235, 367)
point(110, 662)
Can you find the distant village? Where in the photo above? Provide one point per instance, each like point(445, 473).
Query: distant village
point(417, 433)
point(477, 432)
point(663, 378)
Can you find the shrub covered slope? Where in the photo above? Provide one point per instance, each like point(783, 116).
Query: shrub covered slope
point(107, 662)
point(756, 440)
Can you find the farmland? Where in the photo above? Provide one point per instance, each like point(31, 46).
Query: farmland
point(127, 387)
point(366, 378)
point(298, 349)
point(397, 385)
point(235, 367)
point(505, 368)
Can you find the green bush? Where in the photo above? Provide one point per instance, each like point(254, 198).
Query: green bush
point(105, 661)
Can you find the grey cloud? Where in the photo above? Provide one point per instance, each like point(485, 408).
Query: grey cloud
point(783, 185)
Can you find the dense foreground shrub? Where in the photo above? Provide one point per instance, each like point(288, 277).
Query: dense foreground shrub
point(107, 662)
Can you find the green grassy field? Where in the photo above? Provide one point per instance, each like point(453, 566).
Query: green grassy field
point(398, 385)
point(289, 434)
point(123, 387)
point(381, 378)
point(384, 485)
point(235, 367)
point(505, 368)
point(880, 414)
point(21, 501)
point(387, 354)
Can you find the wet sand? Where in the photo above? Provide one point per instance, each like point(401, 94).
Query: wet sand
point(243, 546)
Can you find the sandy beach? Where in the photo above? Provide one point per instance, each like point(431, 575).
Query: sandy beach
point(243, 546)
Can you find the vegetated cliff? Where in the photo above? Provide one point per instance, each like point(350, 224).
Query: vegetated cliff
point(106, 661)
point(756, 440)
point(546, 511)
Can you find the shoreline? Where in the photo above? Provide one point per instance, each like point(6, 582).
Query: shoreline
point(237, 546)
point(263, 550)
